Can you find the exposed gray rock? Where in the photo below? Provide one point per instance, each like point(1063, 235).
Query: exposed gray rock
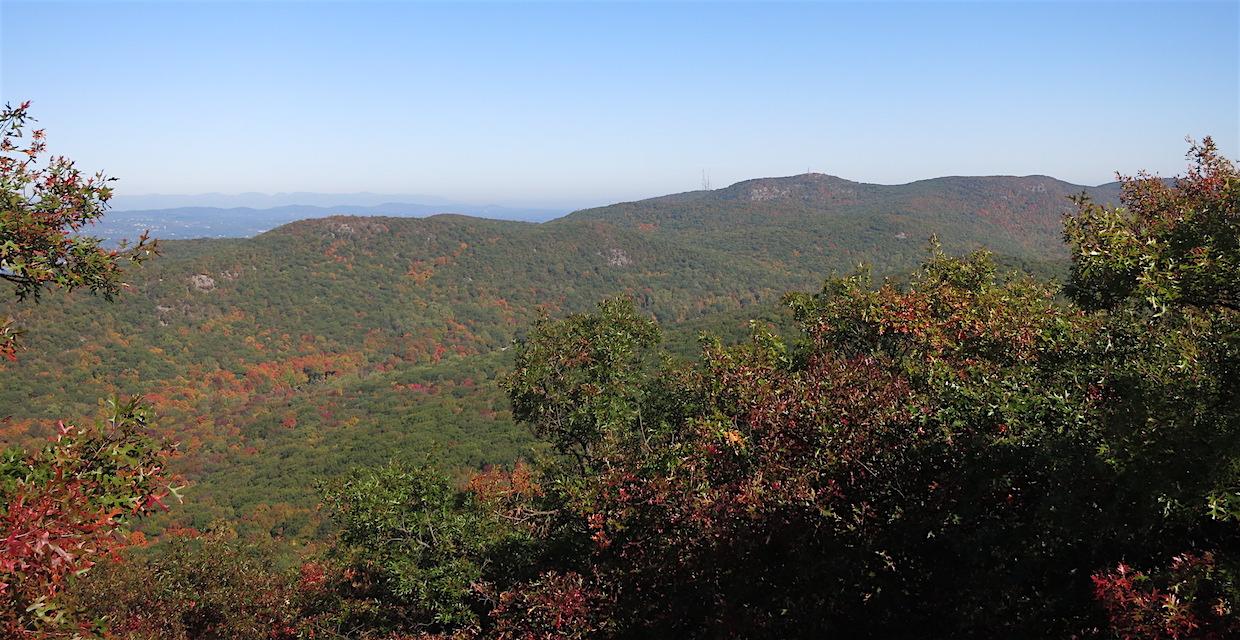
point(202, 282)
point(617, 258)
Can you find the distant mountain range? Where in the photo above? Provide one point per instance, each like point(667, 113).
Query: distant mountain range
point(216, 215)
point(185, 222)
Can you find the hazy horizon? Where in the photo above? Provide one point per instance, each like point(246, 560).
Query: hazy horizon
point(264, 200)
point(572, 104)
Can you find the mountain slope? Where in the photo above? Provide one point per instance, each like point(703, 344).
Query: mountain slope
point(813, 215)
point(281, 359)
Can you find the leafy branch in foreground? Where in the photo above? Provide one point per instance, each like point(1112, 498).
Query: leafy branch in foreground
point(42, 210)
point(68, 506)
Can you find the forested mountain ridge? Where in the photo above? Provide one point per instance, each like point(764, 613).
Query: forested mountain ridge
point(1018, 216)
point(276, 359)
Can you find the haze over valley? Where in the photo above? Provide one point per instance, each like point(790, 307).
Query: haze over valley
point(246, 215)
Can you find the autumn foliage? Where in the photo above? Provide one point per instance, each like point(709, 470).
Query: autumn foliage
point(965, 453)
point(1193, 598)
point(67, 508)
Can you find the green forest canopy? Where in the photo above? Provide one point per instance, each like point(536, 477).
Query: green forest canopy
point(963, 451)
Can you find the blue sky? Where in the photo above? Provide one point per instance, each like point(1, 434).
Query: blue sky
point(590, 103)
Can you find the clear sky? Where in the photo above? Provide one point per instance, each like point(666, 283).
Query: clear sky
point(590, 103)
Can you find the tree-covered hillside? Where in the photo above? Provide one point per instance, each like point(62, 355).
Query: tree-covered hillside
point(279, 360)
point(814, 220)
point(959, 451)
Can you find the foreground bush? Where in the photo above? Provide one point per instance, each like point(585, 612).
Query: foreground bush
point(193, 588)
point(67, 508)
